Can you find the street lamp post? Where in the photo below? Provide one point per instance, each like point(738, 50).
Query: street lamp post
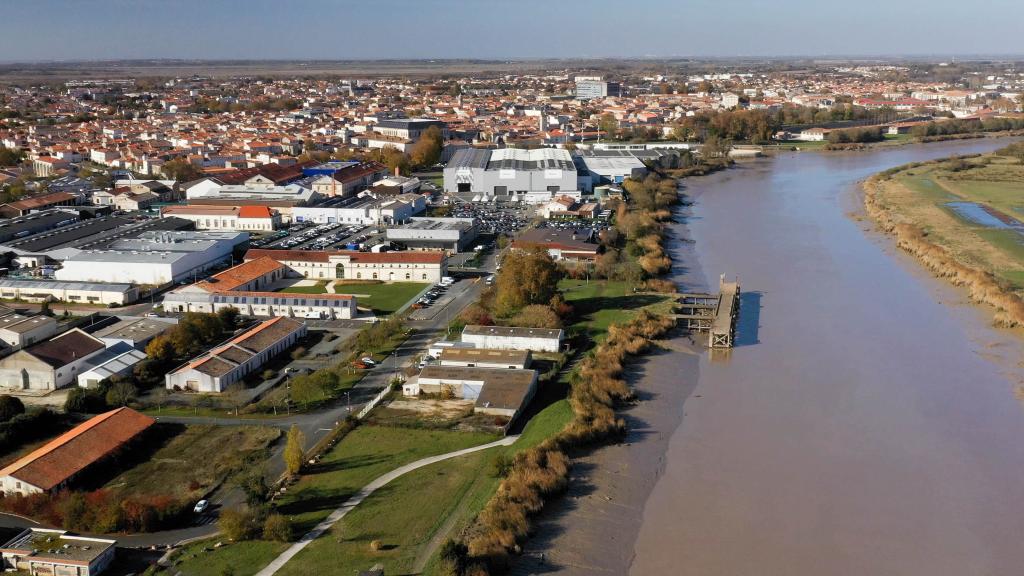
point(348, 400)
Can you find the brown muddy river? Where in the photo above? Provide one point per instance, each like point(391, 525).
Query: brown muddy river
point(867, 423)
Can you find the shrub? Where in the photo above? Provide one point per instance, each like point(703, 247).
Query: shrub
point(537, 316)
point(297, 353)
point(376, 545)
point(238, 524)
point(85, 401)
point(277, 528)
point(10, 406)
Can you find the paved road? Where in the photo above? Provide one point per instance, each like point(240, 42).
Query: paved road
point(364, 493)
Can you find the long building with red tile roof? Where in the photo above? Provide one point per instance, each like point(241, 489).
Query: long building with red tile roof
point(61, 460)
point(406, 266)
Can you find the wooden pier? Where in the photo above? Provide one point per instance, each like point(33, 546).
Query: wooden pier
point(715, 314)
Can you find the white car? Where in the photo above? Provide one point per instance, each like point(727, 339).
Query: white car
point(201, 506)
point(368, 361)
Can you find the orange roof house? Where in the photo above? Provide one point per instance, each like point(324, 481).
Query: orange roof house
point(60, 460)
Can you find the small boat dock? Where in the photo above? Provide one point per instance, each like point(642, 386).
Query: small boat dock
point(715, 314)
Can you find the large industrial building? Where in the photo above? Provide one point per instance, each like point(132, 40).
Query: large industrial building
point(365, 210)
point(153, 258)
point(511, 174)
point(600, 167)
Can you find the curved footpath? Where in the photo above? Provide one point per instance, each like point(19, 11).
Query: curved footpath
point(367, 490)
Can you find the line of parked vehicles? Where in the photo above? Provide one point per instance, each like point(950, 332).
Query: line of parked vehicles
point(434, 293)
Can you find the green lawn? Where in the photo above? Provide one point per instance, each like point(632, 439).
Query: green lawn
point(319, 288)
point(240, 559)
point(382, 298)
point(366, 453)
point(403, 516)
point(600, 303)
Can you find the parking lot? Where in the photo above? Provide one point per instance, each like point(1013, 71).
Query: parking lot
point(496, 219)
point(310, 236)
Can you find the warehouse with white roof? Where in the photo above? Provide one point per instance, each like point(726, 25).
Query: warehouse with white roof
point(511, 174)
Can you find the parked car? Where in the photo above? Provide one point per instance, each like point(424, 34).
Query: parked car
point(368, 361)
point(201, 506)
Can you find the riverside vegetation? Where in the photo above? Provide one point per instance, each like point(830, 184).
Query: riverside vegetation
point(633, 254)
point(989, 268)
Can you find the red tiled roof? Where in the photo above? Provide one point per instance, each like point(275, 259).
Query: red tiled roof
point(253, 212)
point(239, 275)
point(282, 255)
point(274, 172)
point(61, 458)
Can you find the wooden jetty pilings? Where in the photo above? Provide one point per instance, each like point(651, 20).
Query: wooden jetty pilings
point(715, 314)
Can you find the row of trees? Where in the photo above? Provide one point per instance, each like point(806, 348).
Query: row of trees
point(855, 136)
point(953, 127)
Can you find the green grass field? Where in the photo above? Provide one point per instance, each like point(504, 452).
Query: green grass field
point(319, 288)
point(600, 303)
point(366, 453)
point(403, 516)
point(991, 181)
point(382, 298)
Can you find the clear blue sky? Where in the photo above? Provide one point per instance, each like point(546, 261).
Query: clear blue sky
point(361, 29)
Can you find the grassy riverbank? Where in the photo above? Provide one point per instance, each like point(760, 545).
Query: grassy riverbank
point(961, 217)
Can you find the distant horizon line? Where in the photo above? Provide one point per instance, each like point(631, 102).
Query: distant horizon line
point(527, 59)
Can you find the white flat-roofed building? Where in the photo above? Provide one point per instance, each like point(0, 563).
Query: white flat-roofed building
point(608, 167)
point(155, 258)
point(42, 551)
point(133, 331)
point(485, 358)
point(498, 391)
point(230, 362)
point(99, 293)
point(513, 338)
point(450, 234)
point(365, 211)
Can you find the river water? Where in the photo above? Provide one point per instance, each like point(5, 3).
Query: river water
point(866, 423)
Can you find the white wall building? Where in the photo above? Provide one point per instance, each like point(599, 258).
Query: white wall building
point(74, 292)
point(514, 338)
point(17, 331)
point(49, 365)
point(244, 218)
point(418, 266)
